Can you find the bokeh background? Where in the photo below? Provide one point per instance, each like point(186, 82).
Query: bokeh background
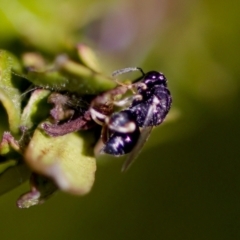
point(185, 184)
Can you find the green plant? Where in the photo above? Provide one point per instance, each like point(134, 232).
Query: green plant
point(66, 162)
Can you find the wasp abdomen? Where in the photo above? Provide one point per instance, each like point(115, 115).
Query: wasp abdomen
point(121, 143)
point(124, 133)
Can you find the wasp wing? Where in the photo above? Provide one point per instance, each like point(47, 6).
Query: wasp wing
point(137, 149)
point(145, 133)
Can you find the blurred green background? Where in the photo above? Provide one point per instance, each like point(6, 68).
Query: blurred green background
point(185, 184)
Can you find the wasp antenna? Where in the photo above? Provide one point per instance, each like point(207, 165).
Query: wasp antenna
point(139, 69)
point(126, 70)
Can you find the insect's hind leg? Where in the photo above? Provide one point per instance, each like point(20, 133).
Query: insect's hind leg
point(126, 102)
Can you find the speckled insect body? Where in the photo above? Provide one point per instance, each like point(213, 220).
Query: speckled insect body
point(149, 107)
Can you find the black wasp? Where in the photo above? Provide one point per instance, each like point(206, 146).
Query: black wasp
point(145, 108)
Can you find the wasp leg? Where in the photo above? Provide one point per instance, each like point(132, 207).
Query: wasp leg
point(126, 102)
point(97, 117)
point(105, 134)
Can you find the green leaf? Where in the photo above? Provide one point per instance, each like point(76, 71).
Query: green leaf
point(9, 94)
point(13, 174)
point(68, 160)
point(88, 57)
point(5, 165)
point(67, 75)
point(13, 171)
point(35, 109)
point(43, 25)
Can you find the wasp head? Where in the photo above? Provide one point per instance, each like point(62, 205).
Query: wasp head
point(154, 78)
